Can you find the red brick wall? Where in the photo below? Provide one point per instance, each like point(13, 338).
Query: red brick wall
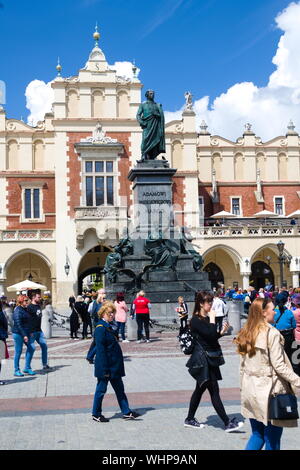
point(14, 202)
point(178, 196)
point(123, 164)
point(74, 170)
point(74, 167)
point(249, 204)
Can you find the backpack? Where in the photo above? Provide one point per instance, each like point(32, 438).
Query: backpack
point(186, 340)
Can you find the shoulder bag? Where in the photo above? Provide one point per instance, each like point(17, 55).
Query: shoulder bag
point(282, 406)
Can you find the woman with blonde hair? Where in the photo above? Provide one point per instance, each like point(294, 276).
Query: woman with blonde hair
point(109, 365)
point(265, 371)
point(21, 333)
point(141, 306)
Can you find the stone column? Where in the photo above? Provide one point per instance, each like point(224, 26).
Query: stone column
point(246, 280)
point(2, 286)
point(295, 277)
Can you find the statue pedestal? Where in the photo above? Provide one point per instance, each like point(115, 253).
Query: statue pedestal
point(152, 197)
point(163, 262)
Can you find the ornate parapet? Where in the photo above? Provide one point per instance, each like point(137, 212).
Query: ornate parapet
point(107, 221)
point(27, 235)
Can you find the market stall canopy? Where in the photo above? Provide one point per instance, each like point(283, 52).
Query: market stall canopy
point(25, 285)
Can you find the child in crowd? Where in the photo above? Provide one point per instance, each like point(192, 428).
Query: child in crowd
point(182, 311)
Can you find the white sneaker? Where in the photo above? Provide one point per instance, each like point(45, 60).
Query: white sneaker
point(148, 341)
point(234, 425)
point(139, 341)
point(125, 341)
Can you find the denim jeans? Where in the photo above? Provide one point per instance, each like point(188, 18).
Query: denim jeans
point(39, 337)
point(121, 329)
point(264, 435)
point(101, 388)
point(18, 341)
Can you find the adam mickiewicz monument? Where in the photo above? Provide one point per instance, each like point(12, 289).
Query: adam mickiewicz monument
point(151, 118)
point(157, 255)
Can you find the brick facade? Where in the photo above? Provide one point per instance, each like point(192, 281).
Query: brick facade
point(14, 202)
point(74, 167)
point(249, 204)
point(179, 196)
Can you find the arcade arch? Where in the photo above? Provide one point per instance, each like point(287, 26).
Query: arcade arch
point(27, 263)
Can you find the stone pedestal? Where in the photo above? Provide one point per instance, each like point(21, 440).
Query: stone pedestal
point(168, 271)
point(235, 311)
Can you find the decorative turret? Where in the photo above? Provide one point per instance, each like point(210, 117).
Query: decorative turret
point(291, 128)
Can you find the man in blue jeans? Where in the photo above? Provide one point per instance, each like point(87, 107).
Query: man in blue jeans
point(35, 312)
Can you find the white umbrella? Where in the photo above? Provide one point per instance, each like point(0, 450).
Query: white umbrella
point(223, 215)
point(294, 214)
point(264, 214)
point(25, 285)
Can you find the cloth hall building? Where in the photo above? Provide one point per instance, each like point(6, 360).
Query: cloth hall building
point(64, 186)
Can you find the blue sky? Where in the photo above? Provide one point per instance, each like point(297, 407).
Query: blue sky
point(204, 46)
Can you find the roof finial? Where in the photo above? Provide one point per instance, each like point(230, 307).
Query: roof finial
point(58, 68)
point(96, 35)
point(134, 69)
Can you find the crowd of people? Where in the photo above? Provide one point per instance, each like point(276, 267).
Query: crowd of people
point(25, 322)
point(268, 345)
point(85, 307)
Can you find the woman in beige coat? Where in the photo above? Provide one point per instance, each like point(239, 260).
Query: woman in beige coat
point(264, 370)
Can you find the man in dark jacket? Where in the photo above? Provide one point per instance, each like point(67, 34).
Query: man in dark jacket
point(81, 308)
point(35, 311)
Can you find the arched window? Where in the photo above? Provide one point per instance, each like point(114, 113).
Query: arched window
point(122, 104)
point(12, 159)
point(177, 154)
point(215, 275)
point(282, 167)
point(216, 162)
point(239, 167)
point(261, 273)
point(97, 104)
point(72, 103)
point(261, 165)
point(38, 155)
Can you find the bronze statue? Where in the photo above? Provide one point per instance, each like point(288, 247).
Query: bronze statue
point(187, 247)
point(151, 118)
point(163, 253)
point(114, 261)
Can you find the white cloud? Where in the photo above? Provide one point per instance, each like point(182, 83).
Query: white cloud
point(124, 69)
point(269, 108)
point(39, 99)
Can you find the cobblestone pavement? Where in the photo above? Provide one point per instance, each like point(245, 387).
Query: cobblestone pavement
point(53, 410)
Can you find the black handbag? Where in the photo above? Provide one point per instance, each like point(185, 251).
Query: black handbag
point(283, 406)
point(215, 358)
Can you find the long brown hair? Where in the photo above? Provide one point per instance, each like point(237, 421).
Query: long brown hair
point(200, 298)
point(246, 338)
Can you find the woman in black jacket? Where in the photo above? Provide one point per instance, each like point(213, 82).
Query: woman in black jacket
point(206, 355)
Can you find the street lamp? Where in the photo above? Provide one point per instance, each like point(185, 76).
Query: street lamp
point(67, 268)
point(280, 246)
